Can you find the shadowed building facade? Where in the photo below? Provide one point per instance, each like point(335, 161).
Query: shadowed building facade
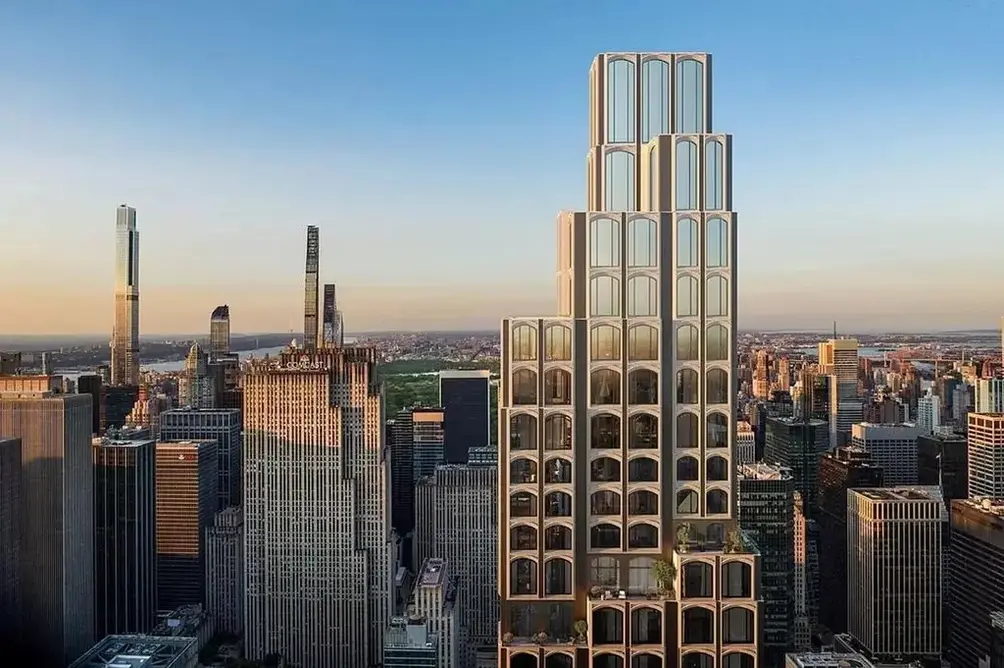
point(10, 540)
point(617, 508)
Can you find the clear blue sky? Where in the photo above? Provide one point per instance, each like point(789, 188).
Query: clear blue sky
point(434, 141)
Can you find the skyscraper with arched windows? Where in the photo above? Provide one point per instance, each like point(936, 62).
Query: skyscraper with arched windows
point(617, 416)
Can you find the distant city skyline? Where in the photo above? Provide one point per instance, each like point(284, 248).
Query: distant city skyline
point(855, 177)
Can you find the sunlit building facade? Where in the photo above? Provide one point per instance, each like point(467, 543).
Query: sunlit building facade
point(616, 474)
point(125, 335)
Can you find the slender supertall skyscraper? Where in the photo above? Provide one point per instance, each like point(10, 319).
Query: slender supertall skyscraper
point(331, 328)
point(617, 417)
point(310, 288)
point(125, 335)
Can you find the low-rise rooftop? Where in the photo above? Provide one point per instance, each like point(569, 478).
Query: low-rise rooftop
point(140, 651)
point(900, 494)
point(761, 471)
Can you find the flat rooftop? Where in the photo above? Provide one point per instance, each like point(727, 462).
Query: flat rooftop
point(827, 660)
point(433, 573)
point(761, 471)
point(108, 442)
point(138, 651)
point(899, 494)
point(989, 506)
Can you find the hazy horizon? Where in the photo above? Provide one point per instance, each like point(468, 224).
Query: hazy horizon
point(436, 187)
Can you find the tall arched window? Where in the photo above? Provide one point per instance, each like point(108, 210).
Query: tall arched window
point(604, 432)
point(604, 343)
point(687, 469)
point(557, 387)
point(686, 386)
point(557, 343)
point(689, 96)
point(687, 243)
point(642, 296)
point(718, 386)
point(718, 430)
point(557, 576)
point(523, 432)
point(686, 430)
point(558, 432)
point(523, 577)
point(688, 296)
point(524, 343)
point(643, 343)
point(717, 343)
point(643, 243)
point(604, 242)
point(605, 387)
point(524, 388)
point(643, 432)
point(687, 502)
point(718, 296)
point(713, 175)
point(619, 181)
point(654, 192)
point(688, 343)
point(718, 502)
point(604, 296)
point(620, 101)
point(686, 175)
point(643, 387)
point(718, 243)
point(654, 99)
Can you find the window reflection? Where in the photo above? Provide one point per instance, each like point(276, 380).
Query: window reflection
point(717, 469)
point(643, 245)
point(523, 577)
point(687, 343)
point(689, 96)
point(687, 243)
point(558, 471)
point(713, 175)
point(686, 386)
point(737, 625)
point(558, 504)
point(643, 343)
point(619, 181)
point(557, 576)
point(737, 580)
point(698, 580)
point(557, 343)
point(643, 469)
point(605, 387)
point(605, 537)
point(523, 537)
point(620, 101)
point(654, 192)
point(718, 502)
point(718, 296)
point(605, 432)
point(604, 242)
point(524, 343)
point(605, 502)
point(643, 387)
point(698, 660)
point(643, 502)
point(605, 469)
point(718, 343)
point(686, 175)
point(523, 432)
point(643, 432)
point(523, 504)
point(654, 99)
point(604, 343)
point(698, 628)
point(642, 296)
point(686, 502)
point(604, 296)
point(558, 432)
point(522, 471)
point(557, 537)
point(643, 536)
point(607, 629)
point(718, 430)
point(557, 387)
point(718, 243)
point(686, 430)
point(718, 386)
point(524, 387)
point(687, 469)
point(688, 296)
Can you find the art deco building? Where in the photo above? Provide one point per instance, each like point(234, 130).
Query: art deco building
point(196, 388)
point(317, 534)
point(225, 570)
point(125, 335)
point(617, 483)
point(219, 331)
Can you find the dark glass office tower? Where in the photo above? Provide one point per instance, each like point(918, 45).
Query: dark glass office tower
point(10, 540)
point(125, 536)
point(118, 403)
point(944, 460)
point(798, 445)
point(91, 384)
point(465, 396)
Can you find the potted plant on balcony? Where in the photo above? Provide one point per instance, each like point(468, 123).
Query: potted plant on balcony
point(596, 591)
point(581, 628)
point(541, 638)
point(665, 576)
point(507, 638)
point(734, 542)
point(683, 537)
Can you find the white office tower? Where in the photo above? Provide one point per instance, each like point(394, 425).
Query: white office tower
point(225, 571)
point(929, 413)
point(989, 395)
point(985, 437)
point(435, 599)
point(317, 534)
point(838, 358)
point(894, 570)
point(893, 447)
point(457, 520)
point(745, 443)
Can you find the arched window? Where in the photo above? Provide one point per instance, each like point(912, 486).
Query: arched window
point(619, 194)
point(557, 343)
point(643, 432)
point(604, 242)
point(718, 502)
point(604, 343)
point(524, 343)
point(557, 576)
point(689, 96)
point(643, 243)
point(605, 387)
point(686, 386)
point(604, 432)
point(687, 502)
point(717, 297)
point(643, 502)
point(737, 579)
point(654, 99)
point(688, 343)
point(643, 387)
point(718, 386)
point(605, 537)
point(523, 537)
point(557, 537)
point(523, 660)
point(557, 470)
point(718, 243)
point(523, 577)
point(687, 469)
point(687, 243)
point(607, 627)
point(654, 191)
point(698, 580)
point(738, 660)
point(605, 469)
point(646, 660)
point(686, 175)
point(698, 660)
point(558, 661)
point(717, 343)
point(686, 430)
point(557, 504)
point(698, 626)
point(523, 432)
point(688, 297)
point(557, 432)
point(524, 388)
point(642, 296)
point(737, 625)
point(557, 387)
point(643, 343)
point(522, 471)
point(523, 504)
point(717, 469)
point(718, 430)
point(620, 103)
point(643, 469)
point(643, 536)
point(714, 176)
point(604, 296)
point(605, 502)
